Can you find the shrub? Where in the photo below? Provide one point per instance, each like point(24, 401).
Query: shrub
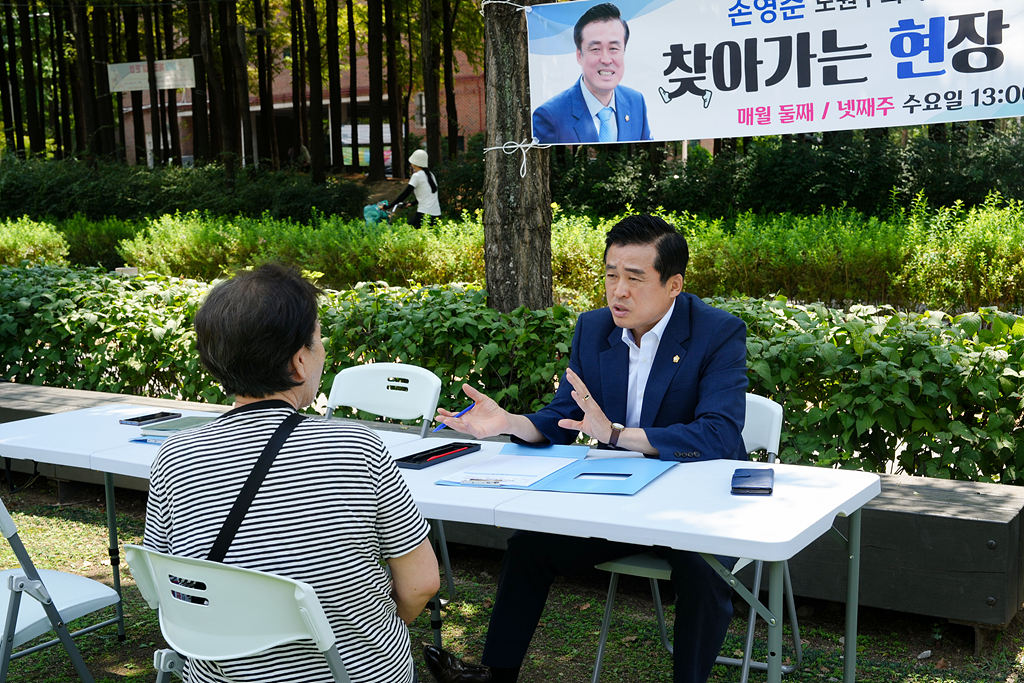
point(967, 258)
point(871, 389)
point(26, 240)
point(94, 243)
point(61, 189)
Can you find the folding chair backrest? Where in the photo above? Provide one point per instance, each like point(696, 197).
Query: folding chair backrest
point(762, 427)
point(215, 611)
point(396, 390)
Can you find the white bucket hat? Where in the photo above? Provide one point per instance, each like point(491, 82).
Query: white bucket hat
point(419, 158)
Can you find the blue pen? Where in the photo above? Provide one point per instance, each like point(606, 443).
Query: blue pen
point(458, 414)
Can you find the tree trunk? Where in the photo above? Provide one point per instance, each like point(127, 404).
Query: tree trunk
point(200, 119)
point(266, 119)
point(219, 100)
point(58, 142)
point(412, 79)
point(229, 106)
point(117, 56)
point(65, 94)
point(431, 101)
point(5, 102)
point(172, 95)
point(14, 83)
point(394, 92)
point(83, 62)
point(334, 82)
point(297, 91)
point(131, 31)
point(375, 58)
point(303, 93)
point(353, 105)
point(316, 96)
point(275, 148)
point(155, 129)
point(240, 76)
point(517, 210)
point(104, 103)
point(450, 10)
point(36, 132)
point(40, 76)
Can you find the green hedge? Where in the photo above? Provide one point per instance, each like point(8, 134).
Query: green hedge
point(870, 389)
point(951, 258)
point(59, 190)
point(27, 240)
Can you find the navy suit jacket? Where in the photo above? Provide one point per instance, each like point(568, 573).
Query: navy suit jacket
point(565, 118)
point(695, 399)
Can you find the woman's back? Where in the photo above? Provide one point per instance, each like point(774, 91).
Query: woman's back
point(331, 506)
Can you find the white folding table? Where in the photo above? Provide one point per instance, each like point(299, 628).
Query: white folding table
point(688, 508)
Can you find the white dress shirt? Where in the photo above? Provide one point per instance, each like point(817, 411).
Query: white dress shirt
point(640, 360)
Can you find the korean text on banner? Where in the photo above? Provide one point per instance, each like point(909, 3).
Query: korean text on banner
point(688, 69)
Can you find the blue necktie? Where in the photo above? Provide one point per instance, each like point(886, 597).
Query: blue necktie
point(605, 134)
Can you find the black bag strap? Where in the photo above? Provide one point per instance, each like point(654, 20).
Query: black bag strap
point(251, 486)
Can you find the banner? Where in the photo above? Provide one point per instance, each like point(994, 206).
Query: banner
point(171, 74)
point(734, 68)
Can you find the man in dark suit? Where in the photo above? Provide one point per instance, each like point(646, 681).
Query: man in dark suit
point(596, 108)
point(657, 371)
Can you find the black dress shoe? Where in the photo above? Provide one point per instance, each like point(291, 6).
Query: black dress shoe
point(447, 668)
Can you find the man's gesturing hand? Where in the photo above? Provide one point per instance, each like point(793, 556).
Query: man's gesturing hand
point(594, 423)
point(486, 418)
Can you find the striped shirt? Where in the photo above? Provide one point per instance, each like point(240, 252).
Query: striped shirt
point(332, 504)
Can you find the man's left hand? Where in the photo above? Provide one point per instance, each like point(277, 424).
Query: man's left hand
point(594, 423)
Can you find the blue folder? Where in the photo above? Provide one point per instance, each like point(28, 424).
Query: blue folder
point(621, 476)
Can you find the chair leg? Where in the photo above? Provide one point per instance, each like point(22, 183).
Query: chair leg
point(438, 527)
point(434, 605)
point(13, 605)
point(748, 646)
point(613, 585)
point(794, 626)
point(662, 627)
point(748, 663)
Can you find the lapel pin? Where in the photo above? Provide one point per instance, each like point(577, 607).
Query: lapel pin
point(627, 117)
point(675, 359)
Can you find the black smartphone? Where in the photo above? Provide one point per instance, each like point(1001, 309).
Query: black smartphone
point(149, 419)
point(437, 455)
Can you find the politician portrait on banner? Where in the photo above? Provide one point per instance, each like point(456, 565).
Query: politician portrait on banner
point(736, 68)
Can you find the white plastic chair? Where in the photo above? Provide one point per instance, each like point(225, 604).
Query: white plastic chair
point(214, 611)
point(762, 429)
point(56, 598)
point(397, 390)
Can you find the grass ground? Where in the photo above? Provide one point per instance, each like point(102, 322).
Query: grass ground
point(72, 537)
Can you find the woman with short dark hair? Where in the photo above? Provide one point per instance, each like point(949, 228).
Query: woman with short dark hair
point(331, 506)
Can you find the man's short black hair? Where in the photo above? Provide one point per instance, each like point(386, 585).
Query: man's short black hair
point(606, 11)
point(250, 326)
point(672, 251)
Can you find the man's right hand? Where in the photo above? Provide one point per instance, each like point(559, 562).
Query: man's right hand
point(486, 418)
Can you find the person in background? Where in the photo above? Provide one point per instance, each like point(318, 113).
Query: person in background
point(331, 507)
point(424, 185)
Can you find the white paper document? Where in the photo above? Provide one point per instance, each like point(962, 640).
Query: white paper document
point(507, 470)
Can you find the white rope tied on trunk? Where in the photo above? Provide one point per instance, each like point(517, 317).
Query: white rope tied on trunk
point(522, 8)
point(511, 147)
